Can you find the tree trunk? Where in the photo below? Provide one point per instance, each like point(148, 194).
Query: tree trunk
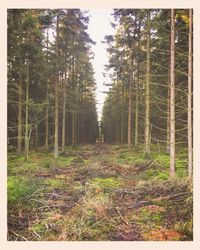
point(136, 112)
point(27, 125)
point(168, 119)
point(137, 82)
point(190, 97)
point(56, 95)
point(118, 108)
point(147, 94)
point(47, 100)
point(19, 124)
point(73, 105)
point(73, 126)
point(129, 113)
point(36, 136)
point(47, 119)
point(172, 97)
point(122, 116)
point(64, 113)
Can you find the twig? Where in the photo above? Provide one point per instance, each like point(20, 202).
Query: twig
point(143, 203)
point(171, 196)
point(28, 197)
point(18, 235)
point(146, 166)
point(149, 202)
point(124, 220)
point(37, 234)
point(42, 203)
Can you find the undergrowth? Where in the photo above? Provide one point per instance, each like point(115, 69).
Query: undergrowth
point(107, 193)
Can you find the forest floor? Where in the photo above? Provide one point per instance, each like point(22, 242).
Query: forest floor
point(98, 192)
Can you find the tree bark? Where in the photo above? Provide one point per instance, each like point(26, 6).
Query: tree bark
point(172, 97)
point(36, 136)
point(147, 94)
point(190, 97)
point(56, 95)
point(47, 100)
point(64, 113)
point(122, 116)
point(73, 106)
point(27, 125)
point(137, 82)
point(19, 124)
point(118, 108)
point(129, 111)
point(168, 118)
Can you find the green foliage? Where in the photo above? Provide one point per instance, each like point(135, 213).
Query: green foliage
point(127, 156)
point(185, 228)
point(106, 183)
point(19, 187)
point(148, 216)
point(53, 182)
point(65, 160)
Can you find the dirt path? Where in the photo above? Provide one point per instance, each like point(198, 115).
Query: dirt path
point(96, 198)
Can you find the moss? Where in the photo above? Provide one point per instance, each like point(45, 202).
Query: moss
point(53, 182)
point(65, 160)
point(49, 226)
point(149, 216)
point(130, 157)
point(106, 182)
point(19, 188)
point(185, 228)
point(47, 163)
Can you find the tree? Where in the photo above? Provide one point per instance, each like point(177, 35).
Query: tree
point(190, 96)
point(56, 91)
point(147, 93)
point(172, 96)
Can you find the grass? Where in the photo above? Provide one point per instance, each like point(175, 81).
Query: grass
point(19, 188)
point(105, 196)
point(108, 183)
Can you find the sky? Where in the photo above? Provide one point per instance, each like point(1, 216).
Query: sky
point(99, 26)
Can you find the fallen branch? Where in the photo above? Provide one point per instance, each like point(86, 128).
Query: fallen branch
point(124, 220)
point(150, 202)
point(171, 196)
point(145, 167)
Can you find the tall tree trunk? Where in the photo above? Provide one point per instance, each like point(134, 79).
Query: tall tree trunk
point(137, 83)
point(129, 114)
point(168, 104)
point(73, 105)
point(172, 97)
point(122, 116)
point(190, 97)
point(168, 118)
point(136, 112)
point(73, 126)
point(19, 124)
point(147, 94)
point(56, 94)
point(27, 125)
point(36, 136)
point(47, 100)
point(118, 108)
point(47, 119)
point(64, 113)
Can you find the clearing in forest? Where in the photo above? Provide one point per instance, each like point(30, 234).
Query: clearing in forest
point(99, 192)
